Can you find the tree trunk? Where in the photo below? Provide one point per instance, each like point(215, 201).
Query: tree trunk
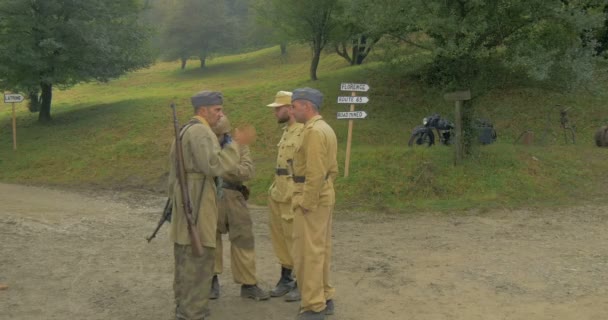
point(203, 61)
point(316, 57)
point(34, 103)
point(283, 48)
point(184, 61)
point(356, 53)
point(45, 103)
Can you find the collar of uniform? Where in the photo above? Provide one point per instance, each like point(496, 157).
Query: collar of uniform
point(312, 120)
point(201, 120)
point(291, 127)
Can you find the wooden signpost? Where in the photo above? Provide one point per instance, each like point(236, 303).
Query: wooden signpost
point(458, 97)
point(13, 98)
point(352, 114)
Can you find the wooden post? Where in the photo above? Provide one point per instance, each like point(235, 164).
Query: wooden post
point(14, 128)
point(458, 97)
point(458, 138)
point(349, 139)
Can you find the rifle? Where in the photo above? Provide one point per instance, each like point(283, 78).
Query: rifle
point(166, 216)
point(197, 248)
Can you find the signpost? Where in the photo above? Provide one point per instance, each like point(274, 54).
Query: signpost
point(352, 114)
point(13, 98)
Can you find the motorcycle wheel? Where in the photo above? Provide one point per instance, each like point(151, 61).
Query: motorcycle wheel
point(425, 138)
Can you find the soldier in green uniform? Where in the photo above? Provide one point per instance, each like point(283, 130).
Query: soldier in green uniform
point(234, 218)
point(279, 201)
point(315, 169)
point(203, 160)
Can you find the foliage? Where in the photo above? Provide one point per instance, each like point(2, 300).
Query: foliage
point(46, 43)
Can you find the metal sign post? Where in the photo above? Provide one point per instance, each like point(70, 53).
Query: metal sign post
point(12, 99)
point(352, 100)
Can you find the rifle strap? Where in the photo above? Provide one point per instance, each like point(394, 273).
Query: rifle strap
point(181, 135)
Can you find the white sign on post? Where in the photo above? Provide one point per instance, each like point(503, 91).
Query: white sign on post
point(360, 87)
point(353, 100)
point(352, 115)
point(13, 98)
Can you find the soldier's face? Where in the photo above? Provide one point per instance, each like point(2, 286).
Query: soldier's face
point(299, 109)
point(282, 114)
point(212, 114)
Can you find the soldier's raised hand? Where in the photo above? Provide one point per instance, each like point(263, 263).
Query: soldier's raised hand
point(245, 135)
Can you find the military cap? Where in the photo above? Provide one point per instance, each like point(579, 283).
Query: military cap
point(282, 98)
point(313, 95)
point(207, 98)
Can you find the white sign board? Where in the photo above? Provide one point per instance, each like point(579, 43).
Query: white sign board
point(361, 87)
point(352, 115)
point(13, 98)
point(353, 100)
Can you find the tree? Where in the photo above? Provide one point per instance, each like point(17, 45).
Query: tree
point(48, 43)
point(544, 41)
point(197, 28)
point(310, 21)
point(356, 34)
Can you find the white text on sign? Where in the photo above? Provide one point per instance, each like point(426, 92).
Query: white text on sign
point(352, 115)
point(361, 87)
point(353, 100)
point(13, 98)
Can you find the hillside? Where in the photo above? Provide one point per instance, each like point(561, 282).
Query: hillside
point(116, 135)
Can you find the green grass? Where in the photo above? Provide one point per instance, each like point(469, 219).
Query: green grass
point(116, 135)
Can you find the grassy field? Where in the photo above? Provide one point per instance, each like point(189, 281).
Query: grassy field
point(116, 135)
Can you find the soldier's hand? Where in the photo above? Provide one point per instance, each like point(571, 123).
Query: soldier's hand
point(245, 135)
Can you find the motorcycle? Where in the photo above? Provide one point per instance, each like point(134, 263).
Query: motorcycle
point(423, 135)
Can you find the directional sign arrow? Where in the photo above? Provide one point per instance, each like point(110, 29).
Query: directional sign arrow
point(352, 115)
point(361, 87)
point(353, 100)
point(13, 98)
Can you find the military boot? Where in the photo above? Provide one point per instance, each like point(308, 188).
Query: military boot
point(252, 291)
point(285, 284)
point(329, 307)
point(311, 315)
point(215, 288)
point(294, 294)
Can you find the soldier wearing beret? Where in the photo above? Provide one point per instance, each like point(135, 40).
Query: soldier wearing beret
point(203, 160)
point(234, 218)
point(280, 193)
point(315, 169)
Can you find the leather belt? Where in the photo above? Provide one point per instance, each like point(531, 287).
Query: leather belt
point(232, 186)
point(302, 179)
point(282, 172)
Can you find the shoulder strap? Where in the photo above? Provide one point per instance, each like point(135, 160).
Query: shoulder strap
point(187, 126)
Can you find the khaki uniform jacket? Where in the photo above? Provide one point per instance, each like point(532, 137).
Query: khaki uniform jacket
point(244, 170)
point(204, 159)
point(282, 188)
point(232, 207)
point(316, 160)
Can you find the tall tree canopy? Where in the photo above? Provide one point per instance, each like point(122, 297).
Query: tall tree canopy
point(198, 28)
point(310, 21)
point(48, 43)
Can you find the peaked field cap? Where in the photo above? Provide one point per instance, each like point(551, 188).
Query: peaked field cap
point(207, 98)
point(282, 98)
point(313, 95)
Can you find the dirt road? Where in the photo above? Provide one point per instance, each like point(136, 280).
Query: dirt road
point(72, 255)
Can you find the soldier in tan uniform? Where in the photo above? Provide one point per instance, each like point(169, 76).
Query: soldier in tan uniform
point(234, 218)
point(280, 193)
point(203, 160)
point(315, 170)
